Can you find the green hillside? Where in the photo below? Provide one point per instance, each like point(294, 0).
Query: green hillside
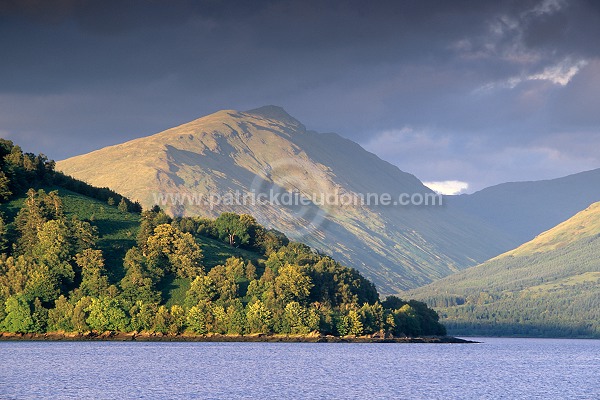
point(75, 258)
point(549, 286)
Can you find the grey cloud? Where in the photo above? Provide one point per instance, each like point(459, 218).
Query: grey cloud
point(84, 74)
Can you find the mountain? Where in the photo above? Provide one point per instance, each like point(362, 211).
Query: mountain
point(549, 286)
point(266, 150)
point(524, 209)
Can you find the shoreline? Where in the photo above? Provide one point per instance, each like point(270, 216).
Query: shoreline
point(252, 338)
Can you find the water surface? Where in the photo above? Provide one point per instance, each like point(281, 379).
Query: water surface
point(495, 369)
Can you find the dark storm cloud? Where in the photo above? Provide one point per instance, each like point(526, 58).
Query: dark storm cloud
point(493, 87)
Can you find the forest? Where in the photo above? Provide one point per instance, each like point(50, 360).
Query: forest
point(75, 258)
point(550, 294)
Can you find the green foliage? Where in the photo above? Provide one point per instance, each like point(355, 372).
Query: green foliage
point(70, 263)
point(140, 280)
point(175, 251)
point(236, 318)
point(142, 316)
point(198, 318)
point(300, 320)
point(123, 207)
point(235, 229)
point(18, 316)
point(60, 318)
point(93, 281)
point(202, 289)
point(5, 191)
point(292, 284)
point(258, 318)
point(106, 314)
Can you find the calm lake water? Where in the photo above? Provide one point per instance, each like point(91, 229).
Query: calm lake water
point(495, 369)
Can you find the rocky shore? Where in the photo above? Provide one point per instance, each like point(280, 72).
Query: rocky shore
point(158, 337)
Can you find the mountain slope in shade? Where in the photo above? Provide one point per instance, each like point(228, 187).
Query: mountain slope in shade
point(546, 287)
point(524, 209)
point(229, 151)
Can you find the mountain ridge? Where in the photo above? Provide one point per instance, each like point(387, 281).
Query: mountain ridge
point(231, 151)
point(525, 209)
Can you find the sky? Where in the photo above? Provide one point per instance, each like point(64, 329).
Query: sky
point(462, 94)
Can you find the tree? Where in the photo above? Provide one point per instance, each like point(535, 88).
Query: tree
point(150, 220)
point(258, 318)
point(3, 238)
point(18, 315)
point(393, 302)
point(219, 319)
point(5, 191)
point(292, 284)
point(269, 240)
point(234, 268)
point(372, 317)
point(39, 316)
point(355, 324)
point(236, 318)
point(60, 317)
point(80, 314)
point(406, 321)
point(139, 282)
point(93, 281)
point(250, 271)
point(28, 221)
point(178, 320)
point(178, 252)
point(234, 228)
point(106, 314)
point(227, 288)
point(123, 206)
point(201, 289)
point(41, 282)
point(142, 316)
point(53, 251)
point(82, 235)
point(162, 320)
point(198, 318)
point(300, 320)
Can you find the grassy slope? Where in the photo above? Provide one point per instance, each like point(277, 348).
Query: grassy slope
point(549, 286)
point(118, 230)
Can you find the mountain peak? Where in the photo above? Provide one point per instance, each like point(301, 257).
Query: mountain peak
point(276, 113)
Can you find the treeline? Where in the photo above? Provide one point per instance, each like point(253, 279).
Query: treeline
point(565, 313)
point(554, 293)
point(20, 171)
point(54, 278)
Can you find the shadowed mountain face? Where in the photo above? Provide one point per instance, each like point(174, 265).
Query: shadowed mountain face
point(267, 151)
point(524, 209)
point(549, 285)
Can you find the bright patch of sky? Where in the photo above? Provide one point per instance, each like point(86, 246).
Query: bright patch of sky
point(448, 187)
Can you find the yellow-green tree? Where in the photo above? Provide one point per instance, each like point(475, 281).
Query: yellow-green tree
point(258, 318)
point(176, 251)
point(292, 284)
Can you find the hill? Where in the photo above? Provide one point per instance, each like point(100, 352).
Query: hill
point(267, 151)
point(73, 263)
point(524, 209)
point(549, 286)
